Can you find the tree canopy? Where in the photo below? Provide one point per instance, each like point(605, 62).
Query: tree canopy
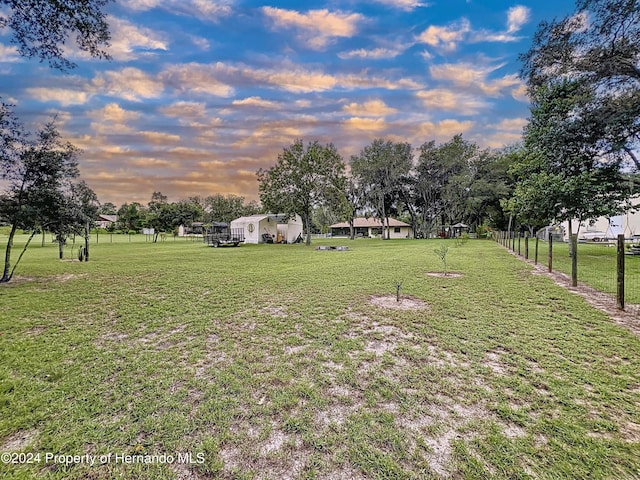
point(302, 178)
point(37, 170)
point(41, 28)
point(599, 46)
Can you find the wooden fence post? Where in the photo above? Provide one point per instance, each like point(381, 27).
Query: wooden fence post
point(536, 254)
point(550, 251)
point(526, 245)
point(574, 260)
point(519, 236)
point(620, 273)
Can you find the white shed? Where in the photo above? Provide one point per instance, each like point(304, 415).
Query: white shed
point(255, 226)
point(289, 228)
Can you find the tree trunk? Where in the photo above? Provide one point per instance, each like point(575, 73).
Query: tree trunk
point(86, 242)
point(7, 256)
point(60, 248)
point(570, 235)
point(352, 230)
point(43, 237)
point(307, 225)
point(10, 276)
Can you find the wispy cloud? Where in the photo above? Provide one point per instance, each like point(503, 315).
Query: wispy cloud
point(63, 96)
point(517, 17)
point(474, 77)
point(255, 102)
point(129, 41)
point(129, 83)
point(447, 37)
point(373, 54)
point(406, 5)
point(452, 100)
point(211, 10)
point(373, 108)
point(316, 28)
point(195, 78)
point(9, 53)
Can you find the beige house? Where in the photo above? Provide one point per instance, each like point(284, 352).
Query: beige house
point(372, 227)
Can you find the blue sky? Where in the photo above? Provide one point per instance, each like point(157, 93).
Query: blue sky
point(200, 94)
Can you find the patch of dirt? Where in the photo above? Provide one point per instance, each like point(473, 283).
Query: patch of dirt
point(445, 275)
point(18, 441)
point(405, 303)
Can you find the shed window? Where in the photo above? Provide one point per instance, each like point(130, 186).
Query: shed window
point(396, 229)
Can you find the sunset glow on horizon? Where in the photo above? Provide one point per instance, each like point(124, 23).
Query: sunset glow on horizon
point(201, 94)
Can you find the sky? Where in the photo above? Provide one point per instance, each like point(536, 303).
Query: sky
point(200, 94)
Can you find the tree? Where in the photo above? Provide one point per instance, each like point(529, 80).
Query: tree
point(302, 178)
point(85, 206)
point(380, 170)
point(225, 209)
point(130, 217)
point(35, 171)
point(598, 45)
point(108, 208)
point(561, 173)
point(42, 27)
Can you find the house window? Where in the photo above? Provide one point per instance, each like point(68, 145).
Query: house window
point(396, 229)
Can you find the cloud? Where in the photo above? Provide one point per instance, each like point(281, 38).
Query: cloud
point(129, 84)
point(316, 28)
point(255, 102)
point(373, 54)
point(197, 78)
point(517, 17)
point(366, 124)
point(298, 79)
point(9, 54)
point(450, 100)
point(184, 110)
point(160, 138)
point(112, 118)
point(445, 38)
point(211, 10)
point(63, 96)
point(372, 108)
point(128, 41)
point(406, 5)
point(505, 132)
point(474, 76)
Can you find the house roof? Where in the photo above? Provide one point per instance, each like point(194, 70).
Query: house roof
point(107, 218)
point(370, 222)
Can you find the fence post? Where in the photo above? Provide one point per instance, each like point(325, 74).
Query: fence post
point(620, 262)
point(550, 251)
point(519, 236)
point(574, 260)
point(536, 255)
point(526, 245)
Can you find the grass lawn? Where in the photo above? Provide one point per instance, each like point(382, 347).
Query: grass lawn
point(273, 361)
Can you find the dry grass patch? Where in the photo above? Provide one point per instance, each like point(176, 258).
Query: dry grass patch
point(391, 302)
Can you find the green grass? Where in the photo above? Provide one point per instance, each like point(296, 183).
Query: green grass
point(270, 362)
point(596, 267)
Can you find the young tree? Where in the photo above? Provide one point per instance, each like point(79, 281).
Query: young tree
point(35, 171)
point(42, 27)
point(599, 45)
point(302, 178)
point(380, 171)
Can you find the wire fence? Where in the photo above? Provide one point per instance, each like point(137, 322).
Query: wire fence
point(610, 266)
